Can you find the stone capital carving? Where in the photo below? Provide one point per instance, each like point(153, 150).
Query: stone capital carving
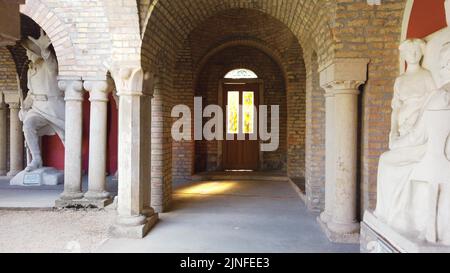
point(344, 74)
point(99, 89)
point(133, 81)
point(11, 97)
point(343, 87)
point(129, 80)
point(73, 89)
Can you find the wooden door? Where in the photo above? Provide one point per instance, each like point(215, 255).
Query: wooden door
point(241, 154)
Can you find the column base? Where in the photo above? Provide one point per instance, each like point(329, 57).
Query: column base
point(325, 217)
point(133, 227)
point(83, 203)
point(340, 238)
point(67, 196)
point(96, 195)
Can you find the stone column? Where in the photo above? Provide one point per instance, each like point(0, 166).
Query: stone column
point(73, 95)
point(99, 96)
point(135, 216)
point(345, 215)
point(3, 138)
point(16, 140)
point(330, 161)
point(342, 79)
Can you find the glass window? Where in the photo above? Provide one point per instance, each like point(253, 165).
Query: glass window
point(241, 74)
point(248, 112)
point(233, 112)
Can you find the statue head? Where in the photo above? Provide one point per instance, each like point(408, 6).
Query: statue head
point(444, 57)
point(447, 11)
point(35, 47)
point(412, 50)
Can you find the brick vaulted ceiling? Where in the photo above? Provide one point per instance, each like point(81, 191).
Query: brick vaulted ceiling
point(166, 24)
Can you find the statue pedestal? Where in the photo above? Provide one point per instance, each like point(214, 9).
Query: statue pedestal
point(40, 177)
point(378, 237)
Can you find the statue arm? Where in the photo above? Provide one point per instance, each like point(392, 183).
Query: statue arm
point(418, 136)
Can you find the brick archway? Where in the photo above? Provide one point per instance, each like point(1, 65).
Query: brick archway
point(56, 29)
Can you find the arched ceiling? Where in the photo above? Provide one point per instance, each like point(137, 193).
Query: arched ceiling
point(168, 23)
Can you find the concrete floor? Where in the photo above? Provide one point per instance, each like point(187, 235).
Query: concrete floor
point(239, 216)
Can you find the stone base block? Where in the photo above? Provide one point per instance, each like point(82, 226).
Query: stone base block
point(134, 232)
point(378, 237)
point(40, 177)
point(339, 238)
point(83, 203)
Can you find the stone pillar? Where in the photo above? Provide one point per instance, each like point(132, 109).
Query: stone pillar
point(330, 162)
point(16, 140)
point(135, 216)
point(73, 95)
point(3, 138)
point(342, 79)
point(99, 96)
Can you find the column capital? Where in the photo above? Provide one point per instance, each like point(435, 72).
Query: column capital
point(133, 81)
point(73, 89)
point(11, 97)
point(342, 87)
point(99, 89)
point(344, 73)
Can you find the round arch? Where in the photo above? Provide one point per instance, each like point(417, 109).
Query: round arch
point(57, 32)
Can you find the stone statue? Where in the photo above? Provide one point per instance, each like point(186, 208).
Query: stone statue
point(43, 110)
point(435, 42)
point(411, 92)
point(414, 177)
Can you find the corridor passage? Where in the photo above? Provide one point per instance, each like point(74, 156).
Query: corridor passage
point(233, 216)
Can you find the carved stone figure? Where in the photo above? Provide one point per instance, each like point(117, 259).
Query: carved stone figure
point(435, 43)
point(411, 93)
point(414, 177)
point(43, 110)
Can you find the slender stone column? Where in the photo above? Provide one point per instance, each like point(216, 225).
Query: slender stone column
point(342, 79)
point(330, 161)
point(135, 216)
point(3, 139)
point(99, 97)
point(16, 140)
point(73, 91)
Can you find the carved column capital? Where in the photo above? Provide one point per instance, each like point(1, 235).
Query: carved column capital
point(11, 97)
point(73, 89)
point(344, 75)
point(14, 105)
point(133, 81)
point(99, 89)
point(343, 87)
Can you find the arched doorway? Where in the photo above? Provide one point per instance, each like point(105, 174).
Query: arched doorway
point(223, 81)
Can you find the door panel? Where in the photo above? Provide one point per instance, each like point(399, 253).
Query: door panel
point(241, 118)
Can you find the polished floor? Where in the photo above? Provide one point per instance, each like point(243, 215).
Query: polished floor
point(233, 216)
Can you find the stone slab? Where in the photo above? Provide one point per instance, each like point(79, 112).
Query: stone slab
point(378, 237)
point(334, 237)
point(40, 177)
point(83, 203)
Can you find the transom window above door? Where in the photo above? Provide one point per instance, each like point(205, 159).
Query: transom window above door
point(241, 73)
